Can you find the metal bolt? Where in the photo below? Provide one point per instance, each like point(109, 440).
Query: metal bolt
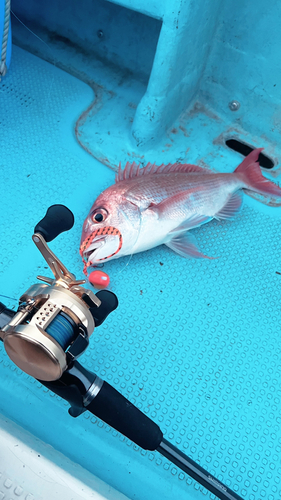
point(234, 105)
point(100, 33)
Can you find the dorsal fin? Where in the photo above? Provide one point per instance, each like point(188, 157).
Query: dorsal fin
point(133, 170)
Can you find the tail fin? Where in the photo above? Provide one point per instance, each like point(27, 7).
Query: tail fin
point(250, 173)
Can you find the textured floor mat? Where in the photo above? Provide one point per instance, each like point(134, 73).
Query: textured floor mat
point(194, 344)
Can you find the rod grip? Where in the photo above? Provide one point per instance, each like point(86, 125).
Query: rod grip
point(58, 219)
point(115, 410)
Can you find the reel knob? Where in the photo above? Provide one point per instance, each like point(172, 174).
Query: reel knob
point(58, 219)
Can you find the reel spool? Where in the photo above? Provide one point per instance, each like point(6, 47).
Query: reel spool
point(43, 337)
point(54, 321)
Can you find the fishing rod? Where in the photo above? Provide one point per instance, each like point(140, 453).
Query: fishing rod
point(52, 328)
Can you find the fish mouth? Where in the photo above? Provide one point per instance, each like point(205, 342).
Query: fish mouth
point(103, 244)
point(90, 253)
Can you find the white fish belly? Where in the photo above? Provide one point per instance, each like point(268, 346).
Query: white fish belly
point(153, 232)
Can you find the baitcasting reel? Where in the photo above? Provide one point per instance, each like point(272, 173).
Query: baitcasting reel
point(55, 320)
point(51, 329)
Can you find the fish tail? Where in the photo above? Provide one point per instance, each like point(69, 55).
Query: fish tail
point(250, 174)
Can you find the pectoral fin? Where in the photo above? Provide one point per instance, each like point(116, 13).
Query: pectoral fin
point(169, 204)
point(186, 246)
point(192, 222)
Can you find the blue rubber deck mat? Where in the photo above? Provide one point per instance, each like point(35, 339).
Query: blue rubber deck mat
point(194, 344)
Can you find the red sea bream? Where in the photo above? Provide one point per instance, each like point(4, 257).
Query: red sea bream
point(156, 205)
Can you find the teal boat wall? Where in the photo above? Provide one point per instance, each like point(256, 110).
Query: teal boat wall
point(185, 51)
point(244, 64)
point(9, 48)
point(168, 42)
point(120, 38)
point(177, 53)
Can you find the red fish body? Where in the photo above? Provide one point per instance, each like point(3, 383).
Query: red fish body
point(159, 205)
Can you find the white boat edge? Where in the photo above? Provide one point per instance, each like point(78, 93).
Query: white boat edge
point(32, 470)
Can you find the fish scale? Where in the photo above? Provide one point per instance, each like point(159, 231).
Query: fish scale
point(166, 186)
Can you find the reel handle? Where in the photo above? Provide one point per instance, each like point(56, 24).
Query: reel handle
point(58, 219)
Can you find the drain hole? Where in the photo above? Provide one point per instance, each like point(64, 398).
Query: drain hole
point(244, 150)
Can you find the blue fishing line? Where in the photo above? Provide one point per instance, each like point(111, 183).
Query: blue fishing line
point(62, 331)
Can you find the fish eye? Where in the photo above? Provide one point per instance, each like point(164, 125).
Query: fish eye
point(99, 215)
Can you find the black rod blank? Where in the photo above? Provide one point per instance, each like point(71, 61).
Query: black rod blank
point(196, 472)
